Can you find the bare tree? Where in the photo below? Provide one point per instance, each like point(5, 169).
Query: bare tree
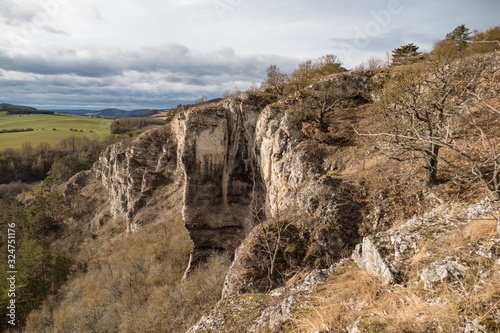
point(202, 99)
point(479, 144)
point(275, 79)
point(434, 106)
point(419, 104)
point(328, 96)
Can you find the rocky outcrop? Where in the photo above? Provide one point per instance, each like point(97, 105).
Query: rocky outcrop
point(368, 258)
point(389, 253)
point(222, 178)
point(446, 270)
point(256, 312)
point(238, 162)
point(296, 189)
point(132, 169)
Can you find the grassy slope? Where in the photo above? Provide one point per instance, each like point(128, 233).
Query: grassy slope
point(43, 125)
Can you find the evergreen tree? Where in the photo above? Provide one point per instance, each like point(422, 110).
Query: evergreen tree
point(405, 54)
point(460, 36)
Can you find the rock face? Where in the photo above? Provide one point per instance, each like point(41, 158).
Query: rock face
point(388, 253)
point(132, 169)
point(238, 162)
point(368, 257)
point(207, 153)
point(221, 172)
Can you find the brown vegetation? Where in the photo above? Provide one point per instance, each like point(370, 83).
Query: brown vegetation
point(125, 125)
point(355, 297)
point(120, 280)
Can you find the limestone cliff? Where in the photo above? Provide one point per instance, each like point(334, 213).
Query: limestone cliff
point(132, 169)
point(237, 162)
point(221, 174)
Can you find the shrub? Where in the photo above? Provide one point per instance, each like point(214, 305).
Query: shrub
point(13, 188)
point(125, 125)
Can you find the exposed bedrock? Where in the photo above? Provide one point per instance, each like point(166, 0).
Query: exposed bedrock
point(222, 178)
point(238, 162)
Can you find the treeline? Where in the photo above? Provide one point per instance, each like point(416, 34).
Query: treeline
point(125, 125)
point(284, 84)
point(15, 130)
point(32, 164)
point(29, 112)
point(459, 43)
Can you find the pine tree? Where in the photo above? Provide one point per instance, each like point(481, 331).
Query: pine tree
point(460, 36)
point(405, 54)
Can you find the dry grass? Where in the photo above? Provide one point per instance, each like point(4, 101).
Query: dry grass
point(358, 297)
point(134, 284)
point(478, 230)
point(354, 296)
point(340, 301)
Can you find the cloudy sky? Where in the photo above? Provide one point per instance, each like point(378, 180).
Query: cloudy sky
point(94, 54)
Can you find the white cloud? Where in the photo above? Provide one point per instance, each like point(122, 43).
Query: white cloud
point(188, 2)
point(151, 77)
point(17, 12)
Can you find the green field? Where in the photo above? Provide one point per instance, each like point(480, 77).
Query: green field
point(43, 126)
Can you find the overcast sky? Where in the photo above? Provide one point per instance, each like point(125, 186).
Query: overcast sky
point(130, 54)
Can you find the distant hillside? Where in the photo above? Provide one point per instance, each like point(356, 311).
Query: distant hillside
point(29, 112)
point(48, 128)
point(11, 107)
point(107, 113)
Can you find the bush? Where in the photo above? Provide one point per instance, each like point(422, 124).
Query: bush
point(15, 130)
point(13, 188)
point(125, 125)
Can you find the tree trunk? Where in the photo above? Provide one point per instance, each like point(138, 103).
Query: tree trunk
point(323, 127)
point(431, 161)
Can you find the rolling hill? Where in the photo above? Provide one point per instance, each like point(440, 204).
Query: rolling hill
point(49, 128)
point(107, 113)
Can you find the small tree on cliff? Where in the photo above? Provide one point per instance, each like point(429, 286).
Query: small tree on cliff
point(275, 79)
point(460, 37)
point(301, 78)
point(405, 54)
point(454, 45)
point(328, 64)
point(419, 104)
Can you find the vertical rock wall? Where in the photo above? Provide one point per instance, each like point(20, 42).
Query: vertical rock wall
point(221, 175)
point(132, 169)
